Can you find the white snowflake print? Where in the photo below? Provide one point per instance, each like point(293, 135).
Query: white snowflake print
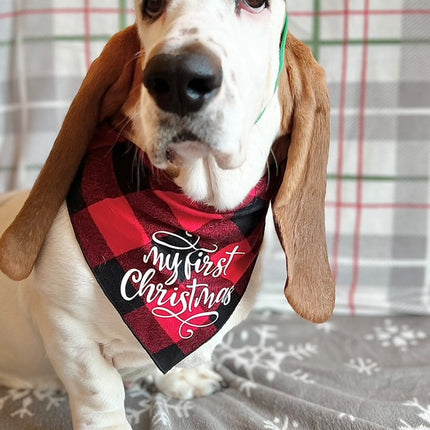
point(160, 412)
point(424, 415)
point(263, 356)
point(158, 406)
point(327, 328)
point(409, 427)
point(277, 424)
point(246, 386)
point(135, 392)
point(300, 375)
point(364, 365)
point(22, 400)
point(398, 336)
point(301, 352)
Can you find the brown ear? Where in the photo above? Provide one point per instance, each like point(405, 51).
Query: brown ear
point(299, 205)
point(102, 93)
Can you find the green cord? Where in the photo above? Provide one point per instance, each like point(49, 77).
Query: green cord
point(282, 53)
point(281, 62)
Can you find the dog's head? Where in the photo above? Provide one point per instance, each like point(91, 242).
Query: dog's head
point(208, 71)
point(194, 79)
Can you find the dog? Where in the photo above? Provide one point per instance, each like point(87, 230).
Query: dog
point(192, 86)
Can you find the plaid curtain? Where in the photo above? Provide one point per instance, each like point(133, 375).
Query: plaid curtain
point(46, 47)
point(377, 57)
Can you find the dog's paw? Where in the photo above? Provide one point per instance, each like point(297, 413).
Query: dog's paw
point(187, 384)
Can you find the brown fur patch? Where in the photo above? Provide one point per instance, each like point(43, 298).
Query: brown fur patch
point(102, 95)
point(299, 205)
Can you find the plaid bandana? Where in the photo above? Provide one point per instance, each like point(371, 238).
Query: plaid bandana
point(174, 269)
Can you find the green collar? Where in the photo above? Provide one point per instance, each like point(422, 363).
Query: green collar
point(281, 62)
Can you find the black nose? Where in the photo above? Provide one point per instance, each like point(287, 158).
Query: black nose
point(184, 82)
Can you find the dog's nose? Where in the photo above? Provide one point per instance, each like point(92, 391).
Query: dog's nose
point(183, 83)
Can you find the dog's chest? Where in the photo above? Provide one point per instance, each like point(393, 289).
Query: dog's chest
point(174, 269)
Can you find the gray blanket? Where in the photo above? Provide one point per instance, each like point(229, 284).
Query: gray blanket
point(282, 373)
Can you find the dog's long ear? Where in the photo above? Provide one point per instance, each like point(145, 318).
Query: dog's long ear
point(298, 208)
point(102, 93)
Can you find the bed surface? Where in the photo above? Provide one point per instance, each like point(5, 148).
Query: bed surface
point(282, 373)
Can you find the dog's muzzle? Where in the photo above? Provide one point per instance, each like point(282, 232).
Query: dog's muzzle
point(182, 83)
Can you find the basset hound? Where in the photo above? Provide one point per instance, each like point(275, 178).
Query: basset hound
point(133, 251)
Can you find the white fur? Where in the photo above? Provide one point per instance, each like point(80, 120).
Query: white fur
point(61, 304)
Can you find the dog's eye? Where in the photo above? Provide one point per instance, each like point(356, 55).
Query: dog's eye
point(153, 8)
point(254, 5)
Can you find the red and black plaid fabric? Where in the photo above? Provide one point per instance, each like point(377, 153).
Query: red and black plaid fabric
point(174, 269)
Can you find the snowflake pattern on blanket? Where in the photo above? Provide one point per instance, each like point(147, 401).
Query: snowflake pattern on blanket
point(280, 373)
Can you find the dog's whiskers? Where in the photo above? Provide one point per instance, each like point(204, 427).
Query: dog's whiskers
point(122, 126)
point(139, 53)
point(268, 174)
point(272, 152)
point(268, 169)
point(137, 166)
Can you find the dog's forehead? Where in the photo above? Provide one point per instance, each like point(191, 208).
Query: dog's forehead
point(220, 9)
point(196, 5)
point(217, 21)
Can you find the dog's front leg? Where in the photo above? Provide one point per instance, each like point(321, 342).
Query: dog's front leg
point(95, 388)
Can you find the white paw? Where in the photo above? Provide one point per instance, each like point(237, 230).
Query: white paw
point(189, 383)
